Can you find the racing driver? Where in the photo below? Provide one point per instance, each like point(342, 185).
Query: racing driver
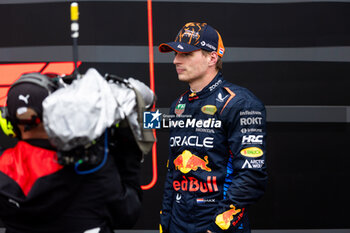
point(216, 166)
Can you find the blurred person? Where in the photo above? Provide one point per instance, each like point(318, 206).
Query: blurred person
point(39, 195)
point(216, 166)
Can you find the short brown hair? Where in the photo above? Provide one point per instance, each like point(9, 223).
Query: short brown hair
point(218, 63)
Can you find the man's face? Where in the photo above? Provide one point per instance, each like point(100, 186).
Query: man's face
point(191, 66)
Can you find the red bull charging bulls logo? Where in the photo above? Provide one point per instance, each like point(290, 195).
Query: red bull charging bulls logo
point(187, 162)
point(224, 220)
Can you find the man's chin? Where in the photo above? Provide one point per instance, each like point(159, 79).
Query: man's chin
point(182, 78)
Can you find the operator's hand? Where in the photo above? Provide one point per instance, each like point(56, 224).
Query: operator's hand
point(208, 231)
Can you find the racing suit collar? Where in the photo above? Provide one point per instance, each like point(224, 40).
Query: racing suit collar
point(208, 90)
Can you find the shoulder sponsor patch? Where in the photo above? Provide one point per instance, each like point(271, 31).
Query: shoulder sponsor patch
point(209, 109)
point(220, 98)
point(252, 152)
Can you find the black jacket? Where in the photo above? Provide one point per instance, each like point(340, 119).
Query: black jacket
point(39, 195)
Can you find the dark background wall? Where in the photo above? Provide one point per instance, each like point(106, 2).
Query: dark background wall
point(307, 160)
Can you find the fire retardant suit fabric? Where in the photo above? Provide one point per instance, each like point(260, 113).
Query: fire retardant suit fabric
point(216, 166)
point(39, 195)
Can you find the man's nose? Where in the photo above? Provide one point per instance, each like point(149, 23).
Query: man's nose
point(176, 59)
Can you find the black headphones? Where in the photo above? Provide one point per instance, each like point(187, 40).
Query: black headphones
point(45, 81)
point(5, 123)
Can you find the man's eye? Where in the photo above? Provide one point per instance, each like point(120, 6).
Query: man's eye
point(182, 54)
point(186, 54)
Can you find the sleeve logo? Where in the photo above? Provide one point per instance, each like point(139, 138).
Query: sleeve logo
point(252, 152)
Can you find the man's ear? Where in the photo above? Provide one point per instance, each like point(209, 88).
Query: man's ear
point(213, 56)
point(24, 113)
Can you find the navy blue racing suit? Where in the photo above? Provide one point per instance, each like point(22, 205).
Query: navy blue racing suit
point(216, 166)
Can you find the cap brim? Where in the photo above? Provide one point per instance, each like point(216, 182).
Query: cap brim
point(177, 47)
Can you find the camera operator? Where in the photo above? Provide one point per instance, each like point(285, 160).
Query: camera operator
point(38, 194)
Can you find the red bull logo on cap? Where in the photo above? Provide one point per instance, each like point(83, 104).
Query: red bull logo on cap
point(187, 162)
point(190, 33)
point(224, 220)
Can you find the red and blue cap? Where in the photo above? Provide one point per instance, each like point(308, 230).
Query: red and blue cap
point(195, 36)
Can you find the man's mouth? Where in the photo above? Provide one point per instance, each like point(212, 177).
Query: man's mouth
point(180, 70)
